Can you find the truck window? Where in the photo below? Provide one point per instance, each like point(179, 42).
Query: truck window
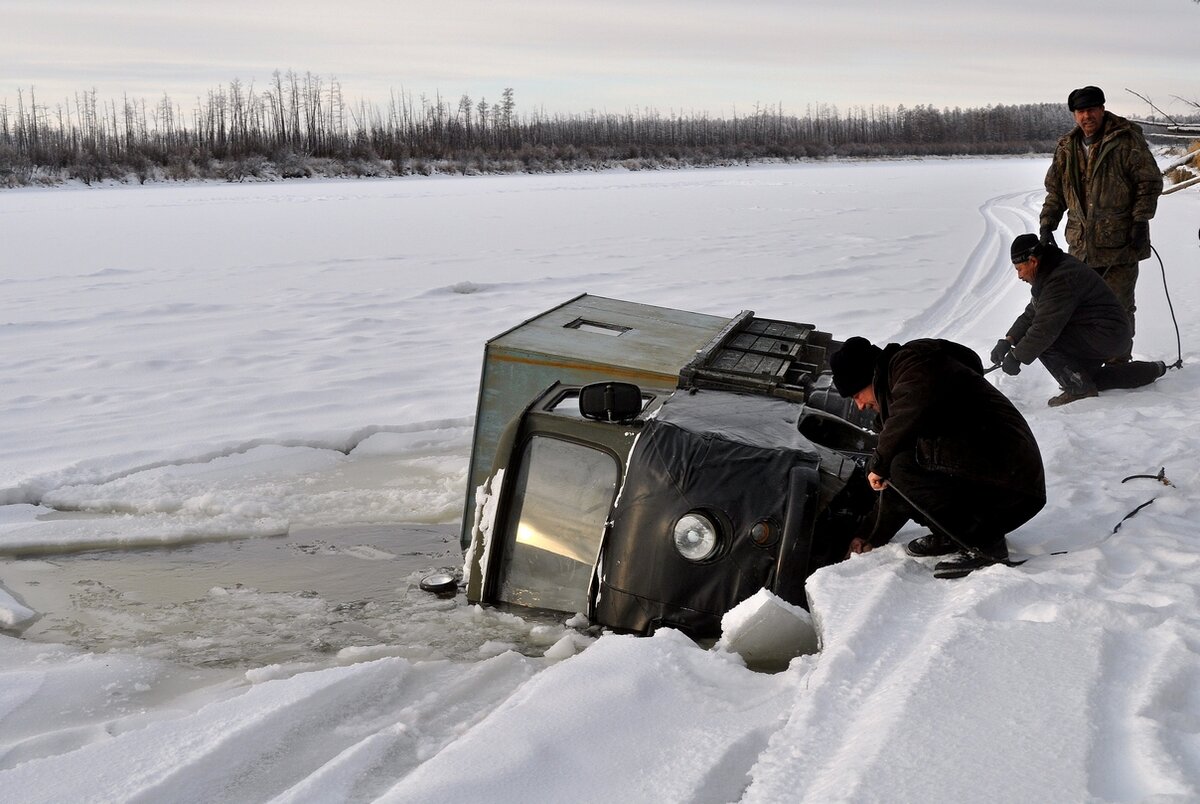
point(560, 501)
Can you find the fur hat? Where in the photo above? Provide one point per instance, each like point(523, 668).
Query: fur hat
point(1023, 247)
point(1085, 97)
point(854, 365)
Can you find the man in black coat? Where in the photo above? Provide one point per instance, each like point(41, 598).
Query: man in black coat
point(956, 454)
point(1073, 324)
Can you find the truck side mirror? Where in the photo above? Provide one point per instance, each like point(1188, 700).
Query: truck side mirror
point(610, 401)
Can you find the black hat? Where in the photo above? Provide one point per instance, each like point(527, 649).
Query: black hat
point(854, 365)
point(1085, 97)
point(1023, 247)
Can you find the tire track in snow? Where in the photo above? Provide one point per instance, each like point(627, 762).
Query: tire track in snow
point(911, 645)
point(344, 733)
point(979, 286)
point(830, 726)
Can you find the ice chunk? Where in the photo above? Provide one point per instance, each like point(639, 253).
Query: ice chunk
point(767, 631)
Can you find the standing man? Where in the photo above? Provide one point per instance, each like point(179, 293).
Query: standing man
point(957, 452)
point(1073, 324)
point(1104, 177)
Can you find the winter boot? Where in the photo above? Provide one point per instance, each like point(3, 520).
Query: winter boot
point(1067, 397)
point(931, 544)
point(1073, 374)
point(965, 564)
point(961, 566)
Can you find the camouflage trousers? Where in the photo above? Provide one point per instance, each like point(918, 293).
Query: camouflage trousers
point(1122, 278)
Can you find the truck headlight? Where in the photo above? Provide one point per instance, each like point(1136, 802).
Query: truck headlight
point(696, 536)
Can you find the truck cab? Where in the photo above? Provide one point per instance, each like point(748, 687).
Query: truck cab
point(650, 467)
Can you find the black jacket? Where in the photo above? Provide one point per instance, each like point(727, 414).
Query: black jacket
point(1068, 295)
point(935, 401)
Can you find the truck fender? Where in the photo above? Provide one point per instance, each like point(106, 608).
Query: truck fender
point(795, 545)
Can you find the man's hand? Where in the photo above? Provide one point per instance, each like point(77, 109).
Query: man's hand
point(1046, 236)
point(1140, 235)
point(877, 482)
point(1011, 366)
point(1000, 350)
point(859, 545)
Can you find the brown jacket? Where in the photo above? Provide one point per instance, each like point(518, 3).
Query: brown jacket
point(1103, 193)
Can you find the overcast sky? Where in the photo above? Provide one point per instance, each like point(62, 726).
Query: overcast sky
point(689, 56)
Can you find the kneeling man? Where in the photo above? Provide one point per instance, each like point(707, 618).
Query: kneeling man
point(1073, 324)
point(954, 453)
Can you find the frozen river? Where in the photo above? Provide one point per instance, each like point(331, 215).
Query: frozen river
point(221, 402)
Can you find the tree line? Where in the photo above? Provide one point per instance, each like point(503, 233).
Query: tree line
point(302, 125)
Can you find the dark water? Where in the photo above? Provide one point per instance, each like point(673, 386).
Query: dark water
point(246, 602)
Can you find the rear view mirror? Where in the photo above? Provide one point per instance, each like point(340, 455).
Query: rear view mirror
point(610, 401)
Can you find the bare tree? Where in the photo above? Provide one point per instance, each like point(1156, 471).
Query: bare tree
point(300, 118)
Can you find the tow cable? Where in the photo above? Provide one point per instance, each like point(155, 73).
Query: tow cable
point(1178, 342)
point(1161, 477)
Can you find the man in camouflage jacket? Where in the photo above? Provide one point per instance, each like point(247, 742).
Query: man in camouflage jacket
point(1104, 177)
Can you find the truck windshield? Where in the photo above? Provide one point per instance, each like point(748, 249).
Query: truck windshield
point(560, 502)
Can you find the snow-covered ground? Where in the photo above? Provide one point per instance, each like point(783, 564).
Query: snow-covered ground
point(220, 362)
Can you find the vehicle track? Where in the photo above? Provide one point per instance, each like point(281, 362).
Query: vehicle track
point(985, 275)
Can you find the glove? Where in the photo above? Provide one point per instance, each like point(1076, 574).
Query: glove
point(1140, 235)
point(1011, 366)
point(1046, 236)
point(1000, 350)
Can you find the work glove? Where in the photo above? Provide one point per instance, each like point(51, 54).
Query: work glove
point(1140, 235)
point(1046, 236)
point(1000, 350)
point(1011, 366)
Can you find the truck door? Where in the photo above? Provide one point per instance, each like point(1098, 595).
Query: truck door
point(559, 504)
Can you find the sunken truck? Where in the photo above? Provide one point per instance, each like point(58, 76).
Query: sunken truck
point(649, 467)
